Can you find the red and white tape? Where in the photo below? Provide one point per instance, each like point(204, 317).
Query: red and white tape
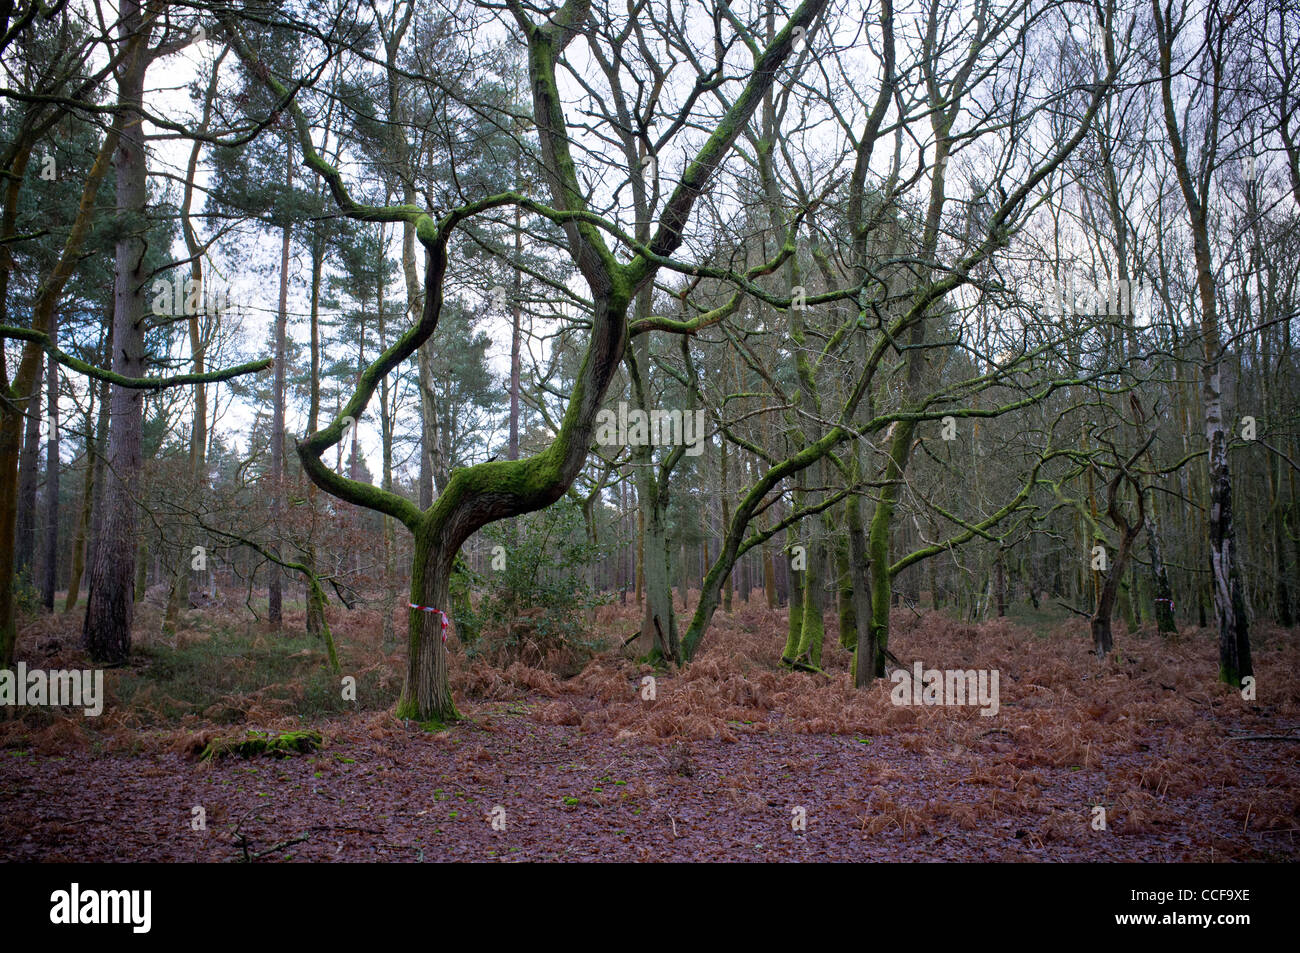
point(432, 609)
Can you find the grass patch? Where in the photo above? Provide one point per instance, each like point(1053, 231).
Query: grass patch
point(227, 672)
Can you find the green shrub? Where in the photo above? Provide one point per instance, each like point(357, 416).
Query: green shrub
point(534, 608)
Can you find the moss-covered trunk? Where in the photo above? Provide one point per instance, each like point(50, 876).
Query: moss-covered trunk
point(735, 544)
point(795, 614)
point(769, 577)
point(844, 595)
point(659, 619)
point(859, 565)
point(658, 638)
point(481, 494)
point(426, 694)
point(873, 650)
point(317, 624)
point(812, 631)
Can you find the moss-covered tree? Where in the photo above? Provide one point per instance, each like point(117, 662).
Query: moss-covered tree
point(477, 495)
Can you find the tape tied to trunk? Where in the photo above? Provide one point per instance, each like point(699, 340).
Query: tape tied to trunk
point(440, 613)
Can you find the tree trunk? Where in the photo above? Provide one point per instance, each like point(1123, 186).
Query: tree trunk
point(512, 450)
point(275, 588)
point(640, 551)
point(1102, 640)
point(932, 570)
point(1281, 591)
point(878, 548)
point(141, 569)
point(317, 625)
point(769, 576)
point(11, 418)
point(659, 615)
point(683, 570)
point(860, 565)
point(794, 618)
point(844, 595)
point(430, 449)
point(50, 580)
point(1163, 594)
point(426, 695)
point(812, 631)
point(1112, 579)
point(109, 605)
point(386, 477)
point(1000, 583)
point(659, 637)
point(1229, 602)
point(723, 494)
point(95, 489)
point(28, 479)
point(78, 559)
point(178, 600)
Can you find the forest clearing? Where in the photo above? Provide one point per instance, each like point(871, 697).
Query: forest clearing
point(587, 768)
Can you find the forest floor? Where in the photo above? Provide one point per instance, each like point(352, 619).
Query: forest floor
point(725, 762)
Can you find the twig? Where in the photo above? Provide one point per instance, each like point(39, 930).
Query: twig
point(800, 666)
point(281, 846)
